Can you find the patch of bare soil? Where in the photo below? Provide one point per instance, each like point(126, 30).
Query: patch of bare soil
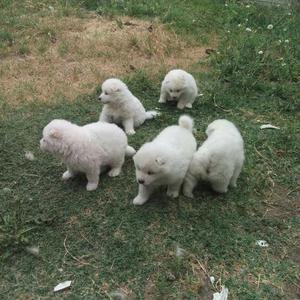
point(70, 56)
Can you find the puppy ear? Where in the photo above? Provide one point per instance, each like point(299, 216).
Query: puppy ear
point(160, 161)
point(54, 133)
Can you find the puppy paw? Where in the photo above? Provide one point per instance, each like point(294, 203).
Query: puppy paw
point(180, 105)
point(188, 194)
point(114, 172)
point(91, 186)
point(130, 132)
point(139, 200)
point(189, 105)
point(67, 175)
point(173, 194)
point(161, 100)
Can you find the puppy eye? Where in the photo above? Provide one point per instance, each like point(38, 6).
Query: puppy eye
point(171, 91)
point(106, 93)
point(150, 173)
point(177, 91)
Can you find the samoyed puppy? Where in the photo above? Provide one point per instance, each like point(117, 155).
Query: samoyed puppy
point(122, 107)
point(165, 160)
point(87, 149)
point(219, 160)
point(179, 86)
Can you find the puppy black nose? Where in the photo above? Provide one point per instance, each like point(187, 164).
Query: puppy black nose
point(99, 98)
point(141, 181)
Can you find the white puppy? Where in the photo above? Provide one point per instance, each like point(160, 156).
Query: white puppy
point(219, 160)
point(88, 149)
point(179, 86)
point(165, 160)
point(121, 106)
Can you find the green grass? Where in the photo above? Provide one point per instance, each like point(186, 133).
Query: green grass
point(102, 242)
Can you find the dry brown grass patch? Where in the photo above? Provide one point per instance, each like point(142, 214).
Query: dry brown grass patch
point(69, 56)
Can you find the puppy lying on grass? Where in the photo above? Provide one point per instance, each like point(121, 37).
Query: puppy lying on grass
point(165, 160)
point(219, 160)
point(87, 149)
point(179, 86)
point(122, 107)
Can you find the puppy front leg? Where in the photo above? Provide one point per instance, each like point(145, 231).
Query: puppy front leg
point(104, 117)
point(163, 96)
point(143, 195)
point(93, 180)
point(189, 184)
point(128, 126)
point(68, 174)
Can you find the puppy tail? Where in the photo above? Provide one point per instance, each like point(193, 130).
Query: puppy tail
point(151, 114)
point(130, 151)
point(186, 122)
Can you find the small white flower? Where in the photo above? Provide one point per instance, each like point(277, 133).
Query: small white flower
point(239, 25)
point(287, 41)
point(226, 4)
point(228, 31)
point(289, 14)
point(246, 20)
point(281, 58)
point(284, 29)
point(283, 64)
point(279, 41)
point(270, 26)
point(260, 52)
point(248, 29)
point(218, 52)
point(248, 6)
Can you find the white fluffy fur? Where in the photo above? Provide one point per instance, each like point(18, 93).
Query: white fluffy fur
point(88, 149)
point(121, 106)
point(179, 86)
point(219, 160)
point(165, 160)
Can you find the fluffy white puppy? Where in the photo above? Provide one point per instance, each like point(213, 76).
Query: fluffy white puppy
point(87, 149)
point(179, 86)
point(219, 160)
point(122, 107)
point(165, 160)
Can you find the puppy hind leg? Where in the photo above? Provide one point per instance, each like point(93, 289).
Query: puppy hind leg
point(93, 180)
point(235, 175)
point(116, 168)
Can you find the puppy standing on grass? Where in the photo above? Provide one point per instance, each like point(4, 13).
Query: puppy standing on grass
point(219, 160)
point(165, 160)
point(122, 107)
point(179, 86)
point(87, 149)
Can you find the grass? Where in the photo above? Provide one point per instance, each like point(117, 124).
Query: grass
point(102, 242)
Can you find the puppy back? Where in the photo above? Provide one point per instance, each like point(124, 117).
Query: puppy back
point(186, 122)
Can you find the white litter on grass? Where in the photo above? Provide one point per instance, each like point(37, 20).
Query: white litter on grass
point(212, 279)
point(262, 243)
point(117, 295)
point(29, 155)
point(223, 295)
point(62, 286)
point(33, 250)
point(179, 251)
point(269, 126)
point(6, 190)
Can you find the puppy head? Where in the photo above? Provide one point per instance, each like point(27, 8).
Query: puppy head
point(112, 90)
point(217, 125)
point(151, 165)
point(175, 85)
point(52, 140)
